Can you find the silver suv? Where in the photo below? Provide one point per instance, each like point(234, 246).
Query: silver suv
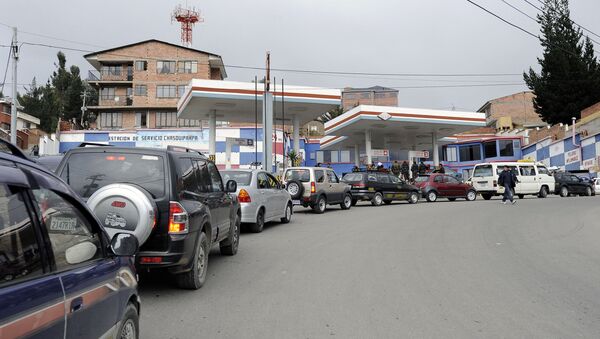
point(316, 187)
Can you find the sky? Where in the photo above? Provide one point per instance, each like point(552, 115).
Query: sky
point(351, 36)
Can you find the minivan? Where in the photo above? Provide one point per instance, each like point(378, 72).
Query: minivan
point(534, 179)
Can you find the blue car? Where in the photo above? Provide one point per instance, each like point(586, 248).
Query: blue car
point(60, 274)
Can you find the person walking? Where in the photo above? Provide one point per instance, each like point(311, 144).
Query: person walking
point(508, 179)
point(422, 168)
point(414, 169)
point(396, 168)
point(404, 169)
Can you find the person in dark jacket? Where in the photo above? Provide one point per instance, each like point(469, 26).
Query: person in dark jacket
point(508, 179)
point(440, 169)
point(396, 168)
point(414, 169)
point(422, 168)
point(404, 169)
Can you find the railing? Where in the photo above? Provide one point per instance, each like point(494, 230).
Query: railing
point(116, 100)
point(111, 74)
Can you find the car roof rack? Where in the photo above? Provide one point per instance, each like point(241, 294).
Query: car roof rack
point(13, 150)
point(93, 144)
point(183, 149)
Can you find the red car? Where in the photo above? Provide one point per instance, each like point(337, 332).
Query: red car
point(442, 185)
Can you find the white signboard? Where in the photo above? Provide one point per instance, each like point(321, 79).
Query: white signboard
point(572, 156)
point(418, 154)
point(380, 152)
point(589, 163)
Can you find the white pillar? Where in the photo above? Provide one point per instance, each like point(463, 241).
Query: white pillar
point(436, 149)
point(228, 143)
point(368, 146)
point(357, 155)
point(296, 136)
point(267, 116)
point(212, 134)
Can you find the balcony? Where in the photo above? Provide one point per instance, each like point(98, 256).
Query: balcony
point(115, 101)
point(110, 75)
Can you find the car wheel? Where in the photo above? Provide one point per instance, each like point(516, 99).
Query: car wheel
point(377, 199)
point(258, 226)
point(230, 245)
point(543, 192)
point(471, 195)
point(413, 197)
point(320, 206)
point(130, 324)
point(431, 196)
point(354, 202)
point(347, 203)
point(288, 213)
point(195, 278)
point(295, 189)
point(486, 196)
point(564, 192)
point(588, 192)
point(387, 202)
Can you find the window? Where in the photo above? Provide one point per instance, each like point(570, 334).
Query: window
point(141, 65)
point(451, 180)
point(353, 177)
point(263, 182)
point(188, 67)
point(88, 172)
point(303, 175)
point(202, 176)
point(344, 156)
point(470, 153)
point(165, 67)
point(483, 171)
point(111, 70)
point(489, 149)
point(111, 120)
point(319, 156)
point(20, 257)
point(107, 93)
point(141, 119)
point(215, 178)
point(129, 92)
point(384, 178)
point(506, 148)
point(180, 90)
point(334, 157)
point(451, 154)
point(312, 155)
point(510, 168)
point(332, 177)
point(189, 123)
point(166, 119)
point(527, 170)
point(67, 227)
point(166, 91)
point(141, 90)
point(319, 176)
point(242, 178)
point(543, 170)
point(273, 183)
point(187, 172)
point(372, 177)
point(438, 178)
point(395, 179)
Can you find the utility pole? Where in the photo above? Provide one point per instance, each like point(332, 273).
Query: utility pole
point(13, 112)
point(83, 107)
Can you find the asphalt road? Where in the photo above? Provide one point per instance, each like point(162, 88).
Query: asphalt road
point(431, 270)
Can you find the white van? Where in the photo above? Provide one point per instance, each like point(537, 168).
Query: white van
point(534, 179)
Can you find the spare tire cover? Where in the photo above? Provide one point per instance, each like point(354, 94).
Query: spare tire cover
point(295, 189)
point(124, 208)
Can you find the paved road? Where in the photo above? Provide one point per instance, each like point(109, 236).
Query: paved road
point(443, 270)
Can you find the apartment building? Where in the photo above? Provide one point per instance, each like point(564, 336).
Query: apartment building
point(512, 111)
point(139, 84)
point(376, 95)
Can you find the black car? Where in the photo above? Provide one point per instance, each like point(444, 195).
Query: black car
point(61, 275)
point(380, 188)
point(570, 184)
point(172, 199)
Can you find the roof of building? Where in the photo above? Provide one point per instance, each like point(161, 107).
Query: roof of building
point(369, 89)
point(489, 102)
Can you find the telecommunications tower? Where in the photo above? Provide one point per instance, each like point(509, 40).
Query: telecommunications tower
point(188, 17)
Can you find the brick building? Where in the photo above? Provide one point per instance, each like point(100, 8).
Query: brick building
point(27, 125)
point(139, 84)
point(512, 111)
point(376, 95)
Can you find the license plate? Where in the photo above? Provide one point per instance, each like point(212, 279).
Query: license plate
point(63, 224)
point(482, 183)
point(295, 202)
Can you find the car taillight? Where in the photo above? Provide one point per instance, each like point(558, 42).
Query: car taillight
point(313, 187)
point(178, 218)
point(359, 185)
point(495, 183)
point(243, 196)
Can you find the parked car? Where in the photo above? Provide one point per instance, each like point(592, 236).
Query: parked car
point(51, 162)
point(596, 182)
point(60, 273)
point(380, 188)
point(570, 184)
point(534, 179)
point(262, 198)
point(437, 185)
point(316, 187)
point(173, 200)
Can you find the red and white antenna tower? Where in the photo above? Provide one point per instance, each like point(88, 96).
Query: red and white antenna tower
point(188, 17)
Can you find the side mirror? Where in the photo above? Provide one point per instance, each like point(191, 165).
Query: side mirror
point(124, 244)
point(80, 253)
point(231, 186)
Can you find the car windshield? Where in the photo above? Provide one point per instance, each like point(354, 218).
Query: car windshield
point(353, 177)
point(87, 172)
point(242, 178)
point(422, 178)
point(303, 175)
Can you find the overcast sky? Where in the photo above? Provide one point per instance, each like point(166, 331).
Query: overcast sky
point(372, 36)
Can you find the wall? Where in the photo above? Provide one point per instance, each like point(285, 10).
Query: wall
point(564, 155)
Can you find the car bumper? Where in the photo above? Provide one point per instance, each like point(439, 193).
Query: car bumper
point(306, 201)
point(178, 258)
point(362, 194)
point(248, 212)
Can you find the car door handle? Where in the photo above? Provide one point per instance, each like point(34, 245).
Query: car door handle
point(76, 304)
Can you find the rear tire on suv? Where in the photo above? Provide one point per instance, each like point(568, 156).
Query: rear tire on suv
point(564, 192)
point(195, 278)
point(543, 192)
point(258, 226)
point(229, 246)
point(347, 203)
point(320, 206)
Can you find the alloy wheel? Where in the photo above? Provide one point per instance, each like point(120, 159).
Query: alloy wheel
point(471, 196)
point(128, 330)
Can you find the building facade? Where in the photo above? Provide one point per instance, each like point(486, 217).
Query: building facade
point(139, 84)
point(27, 125)
point(512, 111)
point(375, 96)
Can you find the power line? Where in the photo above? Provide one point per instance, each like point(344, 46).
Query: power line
point(520, 11)
point(61, 39)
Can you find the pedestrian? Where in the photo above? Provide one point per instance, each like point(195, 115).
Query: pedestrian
point(414, 169)
point(318, 164)
point(404, 169)
point(355, 169)
point(396, 169)
point(422, 168)
point(440, 169)
point(379, 166)
point(508, 179)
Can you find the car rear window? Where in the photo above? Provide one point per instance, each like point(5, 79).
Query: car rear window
point(88, 172)
point(422, 179)
point(303, 175)
point(352, 177)
point(240, 177)
point(483, 171)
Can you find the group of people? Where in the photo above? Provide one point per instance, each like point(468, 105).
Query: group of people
point(403, 170)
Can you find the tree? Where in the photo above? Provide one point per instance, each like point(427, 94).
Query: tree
point(41, 102)
point(331, 114)
point(569, 80)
